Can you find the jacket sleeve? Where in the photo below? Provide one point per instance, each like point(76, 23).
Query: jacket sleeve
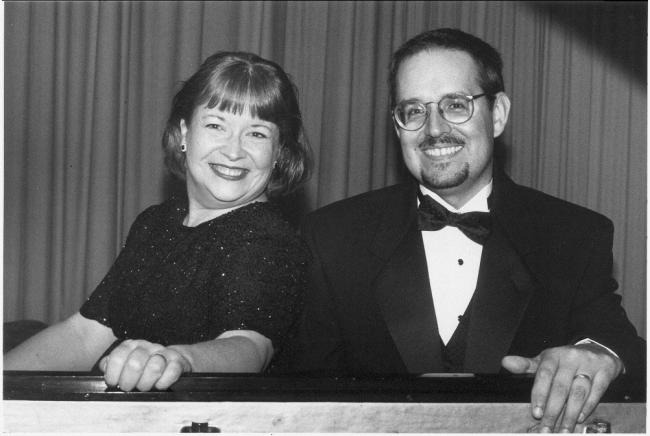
point(597, 313)
point(319, 344)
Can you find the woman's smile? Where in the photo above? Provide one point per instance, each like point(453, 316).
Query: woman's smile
point(229, 173)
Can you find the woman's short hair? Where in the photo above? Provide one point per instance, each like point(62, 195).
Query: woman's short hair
point(487, 58)
point(238, 81)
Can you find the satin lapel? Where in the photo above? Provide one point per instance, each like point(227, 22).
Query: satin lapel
point(402, 289)
point(505, 284)
point(503, 290)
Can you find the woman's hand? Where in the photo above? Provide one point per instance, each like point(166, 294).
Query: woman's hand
point(143, 365)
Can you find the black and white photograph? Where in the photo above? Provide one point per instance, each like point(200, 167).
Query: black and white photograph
point(324, 217)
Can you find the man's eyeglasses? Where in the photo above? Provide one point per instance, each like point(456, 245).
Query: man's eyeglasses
point(455, 108)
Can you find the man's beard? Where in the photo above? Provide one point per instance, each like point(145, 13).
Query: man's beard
point(439, 176)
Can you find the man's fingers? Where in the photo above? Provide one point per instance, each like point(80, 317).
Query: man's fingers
point(556, 397)
point(569, 383)
point(542, 386)
point(578, 393)
point(598, 387)
point(520, 365)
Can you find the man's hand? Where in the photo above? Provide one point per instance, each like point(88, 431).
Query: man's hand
point(141, 364)
point(569, 379)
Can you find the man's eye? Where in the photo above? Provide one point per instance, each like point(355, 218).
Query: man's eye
point(456, 106)
point(414, 111)
point(214, 126)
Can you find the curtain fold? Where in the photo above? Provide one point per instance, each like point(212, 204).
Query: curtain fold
point(88, 87)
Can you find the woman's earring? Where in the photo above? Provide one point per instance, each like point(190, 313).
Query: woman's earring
point(183, 147)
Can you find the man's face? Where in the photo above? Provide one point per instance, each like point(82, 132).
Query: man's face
point(453, 160)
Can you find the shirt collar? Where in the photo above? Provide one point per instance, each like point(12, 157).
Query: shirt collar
point(478, 203)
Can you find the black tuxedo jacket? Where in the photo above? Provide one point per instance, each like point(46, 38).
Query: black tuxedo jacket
point(544, 281)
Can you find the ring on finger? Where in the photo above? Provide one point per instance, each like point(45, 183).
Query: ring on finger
point(159, 354)
point(581, 375)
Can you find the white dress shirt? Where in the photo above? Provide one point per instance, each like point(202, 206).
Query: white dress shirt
point(453, 262)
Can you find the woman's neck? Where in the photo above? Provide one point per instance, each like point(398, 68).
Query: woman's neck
point(198, 214)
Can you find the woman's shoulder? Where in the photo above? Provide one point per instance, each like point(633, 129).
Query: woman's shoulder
point(258, 219)
point(173, 208)
point(263, 225)
point(268, 222)
point(159, 216)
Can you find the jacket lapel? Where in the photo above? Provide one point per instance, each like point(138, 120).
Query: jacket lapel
point(502, 293)
point(402, 286)
point(505, 284)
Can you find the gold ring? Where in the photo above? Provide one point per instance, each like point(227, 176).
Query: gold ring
point(585, 376)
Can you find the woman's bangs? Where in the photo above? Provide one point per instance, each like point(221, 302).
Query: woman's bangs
point(249, 94)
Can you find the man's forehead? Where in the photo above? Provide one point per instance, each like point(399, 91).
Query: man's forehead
point(439, 61)
point(439, 71)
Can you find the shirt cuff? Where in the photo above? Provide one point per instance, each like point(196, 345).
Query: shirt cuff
point(610, 351)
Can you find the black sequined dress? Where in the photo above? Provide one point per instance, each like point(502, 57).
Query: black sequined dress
point(173, 284)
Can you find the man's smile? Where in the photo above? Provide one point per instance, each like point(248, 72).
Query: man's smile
point(442, 151)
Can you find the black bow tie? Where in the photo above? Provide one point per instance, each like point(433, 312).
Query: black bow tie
point(434, 216)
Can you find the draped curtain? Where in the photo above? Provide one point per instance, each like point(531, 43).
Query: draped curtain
point(88, 86)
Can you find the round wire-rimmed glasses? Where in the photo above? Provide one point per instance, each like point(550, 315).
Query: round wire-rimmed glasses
point(455, 108)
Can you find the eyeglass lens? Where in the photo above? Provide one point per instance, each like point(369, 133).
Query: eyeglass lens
point(411, 115)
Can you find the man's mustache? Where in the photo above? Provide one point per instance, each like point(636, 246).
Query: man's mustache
point(433, 141)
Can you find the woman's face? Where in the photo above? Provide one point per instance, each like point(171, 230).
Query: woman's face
point(229, 158)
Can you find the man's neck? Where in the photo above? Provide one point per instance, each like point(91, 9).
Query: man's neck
point(468, 203)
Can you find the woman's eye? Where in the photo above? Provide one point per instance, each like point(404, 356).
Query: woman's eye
point(214, 126)
point(259, 135)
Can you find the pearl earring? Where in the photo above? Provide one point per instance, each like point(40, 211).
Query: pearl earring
point(183, 147)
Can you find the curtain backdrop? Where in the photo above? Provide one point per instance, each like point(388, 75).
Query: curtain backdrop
point(88, 87)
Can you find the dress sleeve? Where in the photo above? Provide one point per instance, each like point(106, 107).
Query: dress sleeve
point(96, 307)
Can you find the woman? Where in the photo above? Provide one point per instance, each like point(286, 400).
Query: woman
point(211, 282)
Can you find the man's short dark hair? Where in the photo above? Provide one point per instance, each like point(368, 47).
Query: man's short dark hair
point(487, 58)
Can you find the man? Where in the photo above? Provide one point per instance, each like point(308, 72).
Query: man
point(526, 288)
